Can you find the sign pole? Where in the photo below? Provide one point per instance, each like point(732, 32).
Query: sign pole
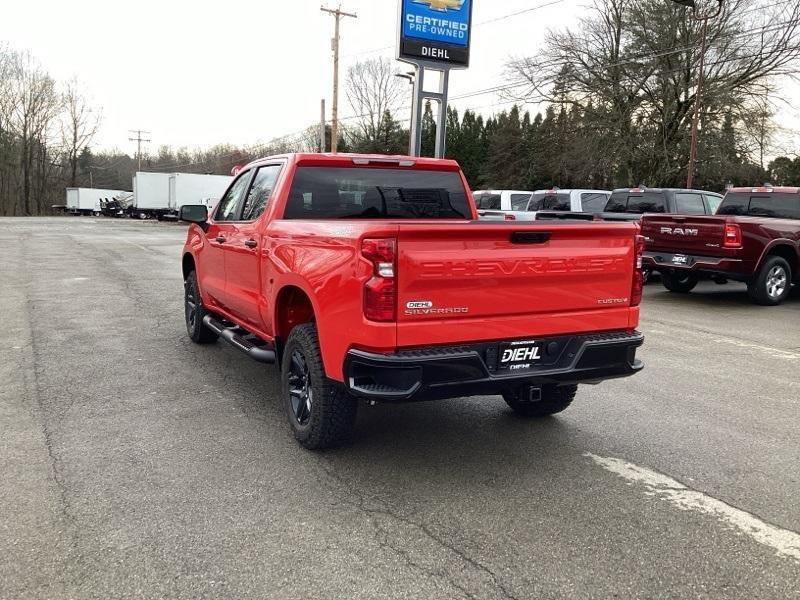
point(441, 127)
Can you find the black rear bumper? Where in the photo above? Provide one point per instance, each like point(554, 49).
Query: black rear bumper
point(472, 369)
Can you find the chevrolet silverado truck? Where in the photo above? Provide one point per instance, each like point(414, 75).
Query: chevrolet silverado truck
point(754, 238)
point(370, 278)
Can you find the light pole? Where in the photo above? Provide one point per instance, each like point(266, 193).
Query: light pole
point(411, 77)
point(703, 18)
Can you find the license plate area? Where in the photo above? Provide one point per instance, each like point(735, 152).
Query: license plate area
point(520, 356)
point(680, 259)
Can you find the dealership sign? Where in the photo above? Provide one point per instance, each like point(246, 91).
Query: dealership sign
point(435, 31)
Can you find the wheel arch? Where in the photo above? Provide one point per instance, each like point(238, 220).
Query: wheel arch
point(188, 264)
point(293, 307)
point(787, 251)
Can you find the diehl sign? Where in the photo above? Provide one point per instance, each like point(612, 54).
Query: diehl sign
point(435, 31)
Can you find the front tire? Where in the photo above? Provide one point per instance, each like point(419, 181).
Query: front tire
point(194, 313)
point(321, 414)
point(681, 283)
point(773, 283)
point(554, 399)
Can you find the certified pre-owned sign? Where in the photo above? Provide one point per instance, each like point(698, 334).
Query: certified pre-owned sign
point(435, 31)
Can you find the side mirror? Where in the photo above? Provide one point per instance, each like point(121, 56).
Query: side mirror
point(194, 213)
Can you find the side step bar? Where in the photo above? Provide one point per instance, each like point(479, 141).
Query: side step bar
point(258, 353)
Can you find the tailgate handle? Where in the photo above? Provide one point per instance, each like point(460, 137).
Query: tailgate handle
point(530, 237)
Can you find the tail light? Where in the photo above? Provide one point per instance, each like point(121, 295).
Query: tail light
point(733, 236)
point(380, 292)
point(510, 217)
point(638, 277)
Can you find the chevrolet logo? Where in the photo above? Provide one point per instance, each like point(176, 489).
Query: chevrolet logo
point(442, 5)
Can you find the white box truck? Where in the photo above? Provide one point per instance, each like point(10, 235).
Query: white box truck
point(86, 201)
point(189, 188)
point(150, 195)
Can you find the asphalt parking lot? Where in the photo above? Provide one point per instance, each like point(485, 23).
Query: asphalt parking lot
point(137, 465)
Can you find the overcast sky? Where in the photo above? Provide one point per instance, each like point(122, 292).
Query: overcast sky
point(199, 73)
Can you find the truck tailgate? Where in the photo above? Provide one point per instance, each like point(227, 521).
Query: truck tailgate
point(686, 234)
point(493, 281)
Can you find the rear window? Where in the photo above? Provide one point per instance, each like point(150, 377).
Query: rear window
point(366, 193)
point(593, 202)
point(637, 202)
point(487, 201)
point(776, 205)
point(558, 201)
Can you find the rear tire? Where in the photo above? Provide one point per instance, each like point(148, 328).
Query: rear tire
point(321, 414)
point(194, 313)
point(681, 283)
point(773, 282)
point(555, 399)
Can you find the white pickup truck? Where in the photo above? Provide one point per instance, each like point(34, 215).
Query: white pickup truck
point(494, 205)
point(507, 205)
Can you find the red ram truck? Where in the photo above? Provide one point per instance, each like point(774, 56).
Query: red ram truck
point(371, 278)
point(754, 237)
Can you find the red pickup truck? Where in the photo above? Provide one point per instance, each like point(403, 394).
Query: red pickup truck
point(370, 277)
point(754, 238)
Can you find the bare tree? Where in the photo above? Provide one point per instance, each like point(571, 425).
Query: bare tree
point(373, 91)
point(79, 125)
point(634, 63)
point(35, 105)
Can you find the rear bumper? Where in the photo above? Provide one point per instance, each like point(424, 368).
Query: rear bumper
point(732, 268)
point(472, 369)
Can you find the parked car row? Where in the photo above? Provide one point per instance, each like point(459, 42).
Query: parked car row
point(750, 235)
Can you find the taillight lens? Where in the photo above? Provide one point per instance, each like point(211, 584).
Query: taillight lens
point(380, 292)
point(638, 278)
point(733, 236)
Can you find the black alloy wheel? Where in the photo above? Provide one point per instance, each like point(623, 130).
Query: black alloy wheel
point(301, 392)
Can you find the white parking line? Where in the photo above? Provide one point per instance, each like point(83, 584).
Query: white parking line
point(774, 352)
point(783, 541)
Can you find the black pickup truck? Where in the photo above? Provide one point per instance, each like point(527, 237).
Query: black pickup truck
point(630, 204)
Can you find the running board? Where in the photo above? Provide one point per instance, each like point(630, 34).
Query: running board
point(258, 353)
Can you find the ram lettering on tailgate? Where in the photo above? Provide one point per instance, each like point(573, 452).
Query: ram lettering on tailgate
point(680, 231)
point(531, 266)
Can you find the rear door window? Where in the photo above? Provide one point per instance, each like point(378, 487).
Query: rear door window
point(376, 193)
point(488, 201)
point(637, 202)
point(689, 204)
point(260, 192)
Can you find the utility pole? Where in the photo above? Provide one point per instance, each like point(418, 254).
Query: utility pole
point(702, 18)
point(322, 144)
point(337, 14)
point(138, 139)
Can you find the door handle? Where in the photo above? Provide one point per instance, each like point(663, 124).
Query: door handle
point(251, 243)
point(220, 239)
